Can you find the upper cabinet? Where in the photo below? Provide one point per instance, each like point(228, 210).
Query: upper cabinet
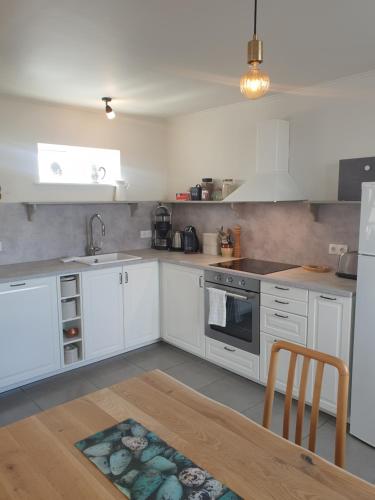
point(271, 180)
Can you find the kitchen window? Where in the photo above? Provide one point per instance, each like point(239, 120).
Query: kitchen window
point(60, 164)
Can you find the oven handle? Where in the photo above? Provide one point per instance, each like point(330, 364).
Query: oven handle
point(236, 296)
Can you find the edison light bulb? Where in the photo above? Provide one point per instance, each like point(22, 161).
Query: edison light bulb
point(255, 83)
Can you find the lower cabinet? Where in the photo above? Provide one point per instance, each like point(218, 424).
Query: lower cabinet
point(182, 304)
point(102, 308)
point(141, 304)
point(266, 342)
point(329, 331)
point(29, 330)
point(236, 360)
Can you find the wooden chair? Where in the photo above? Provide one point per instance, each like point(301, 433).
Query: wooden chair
point(342, 394)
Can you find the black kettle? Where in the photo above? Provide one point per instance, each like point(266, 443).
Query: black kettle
point(191, 242)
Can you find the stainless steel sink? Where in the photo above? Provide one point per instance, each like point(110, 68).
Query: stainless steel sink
point(106, 258)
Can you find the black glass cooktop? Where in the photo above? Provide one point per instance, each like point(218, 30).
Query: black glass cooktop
point(254, 266)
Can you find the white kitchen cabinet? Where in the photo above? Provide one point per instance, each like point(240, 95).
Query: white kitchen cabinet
point(29, 330)
point(236, 360)
point(102, 307)
point(141, 304)
point(329, 331)
point(266, 342)
point(182, 302)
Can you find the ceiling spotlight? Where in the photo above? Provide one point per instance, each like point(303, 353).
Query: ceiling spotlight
point(108, 110)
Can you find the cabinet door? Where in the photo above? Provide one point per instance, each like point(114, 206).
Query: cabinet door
point(266, 342)
point(29, 330)
point(329, 331)
point(141, 304)
point(102, 301)
point(183, 307)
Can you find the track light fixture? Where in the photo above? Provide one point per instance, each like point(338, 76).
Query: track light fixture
point(108, 110)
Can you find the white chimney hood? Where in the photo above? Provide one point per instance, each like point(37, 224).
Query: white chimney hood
point(271, 180)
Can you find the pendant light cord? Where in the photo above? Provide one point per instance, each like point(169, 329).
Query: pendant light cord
point(255, 16)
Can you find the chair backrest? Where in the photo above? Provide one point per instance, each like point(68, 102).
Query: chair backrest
point(321, 359)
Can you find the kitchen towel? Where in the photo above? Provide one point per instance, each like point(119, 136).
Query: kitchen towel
point(218, 307)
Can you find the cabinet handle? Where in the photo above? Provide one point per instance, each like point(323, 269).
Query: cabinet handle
point(229, 349)
point(281, 316)
point(281, 302)
point(201, 281)
point(120, 276)
point(18, 284)
point(126, 277)
point(282, 288)
point(327, 298)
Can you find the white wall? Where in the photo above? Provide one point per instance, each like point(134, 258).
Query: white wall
point(24, 123)
point(328, 122)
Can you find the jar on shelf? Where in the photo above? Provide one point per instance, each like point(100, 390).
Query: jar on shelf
point(228, 187)
point(68, 308)
point(208, 185)
point(71, 354)
point(68, 286)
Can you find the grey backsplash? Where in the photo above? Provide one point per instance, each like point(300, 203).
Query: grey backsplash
point(284, 232)
point(60, 230)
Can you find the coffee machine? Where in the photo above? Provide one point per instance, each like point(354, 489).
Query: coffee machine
point(162, 234)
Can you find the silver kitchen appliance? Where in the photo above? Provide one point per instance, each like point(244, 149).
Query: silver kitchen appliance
point(347, 265)
point(242, 329)
point(178, 241)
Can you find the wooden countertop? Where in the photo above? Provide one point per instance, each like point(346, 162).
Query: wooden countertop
point(38, 460)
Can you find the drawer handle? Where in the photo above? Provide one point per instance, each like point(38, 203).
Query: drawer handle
point(281, 316)
point(327, 298)
point(282, 288)
point(282, 302)
point(229, 349)
point(18, 284)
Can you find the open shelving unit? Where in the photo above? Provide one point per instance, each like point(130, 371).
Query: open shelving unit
point(73, 321)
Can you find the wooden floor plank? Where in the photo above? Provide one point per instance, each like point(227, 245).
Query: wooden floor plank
point(38, 459)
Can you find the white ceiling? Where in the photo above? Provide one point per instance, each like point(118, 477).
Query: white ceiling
point(166, 57)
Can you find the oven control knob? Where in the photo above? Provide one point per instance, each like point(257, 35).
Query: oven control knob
point(242, 282)
point(229, 279)
point(218, 277)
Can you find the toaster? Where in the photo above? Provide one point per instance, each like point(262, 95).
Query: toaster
point(347, 265)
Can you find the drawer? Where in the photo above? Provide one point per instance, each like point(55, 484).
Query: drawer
point(234, 359)
point(284, 304)
point(284, 325)
point(284, 291)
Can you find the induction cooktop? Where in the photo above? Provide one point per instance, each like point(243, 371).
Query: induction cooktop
point(254, 266)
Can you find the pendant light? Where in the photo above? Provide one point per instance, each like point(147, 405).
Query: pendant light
point(108, 110)
point(255, 83)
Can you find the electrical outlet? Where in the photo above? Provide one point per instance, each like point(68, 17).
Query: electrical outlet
point(146, 234)
point(337, 248)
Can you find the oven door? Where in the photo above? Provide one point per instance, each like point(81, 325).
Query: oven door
point(242, 328)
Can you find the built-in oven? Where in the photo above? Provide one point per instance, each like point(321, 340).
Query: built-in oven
point(242, 310)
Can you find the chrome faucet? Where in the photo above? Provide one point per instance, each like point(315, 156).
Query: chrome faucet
point(94, 247)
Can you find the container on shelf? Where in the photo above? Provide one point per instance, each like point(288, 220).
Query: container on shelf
point(183, 196)
point(196, 193)
point(68, 308)
point(228, 187)
point(70, 354)
point(68, 285)
point(208, 185)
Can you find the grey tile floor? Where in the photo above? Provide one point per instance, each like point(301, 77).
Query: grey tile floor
point(216, 383)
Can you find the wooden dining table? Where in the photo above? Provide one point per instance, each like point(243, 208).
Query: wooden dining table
point(38, 459)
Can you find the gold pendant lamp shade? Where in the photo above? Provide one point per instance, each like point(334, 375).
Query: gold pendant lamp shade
point(255, 82)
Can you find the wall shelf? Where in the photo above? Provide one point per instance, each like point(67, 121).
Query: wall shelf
point(31, 206)
point(314, 206)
